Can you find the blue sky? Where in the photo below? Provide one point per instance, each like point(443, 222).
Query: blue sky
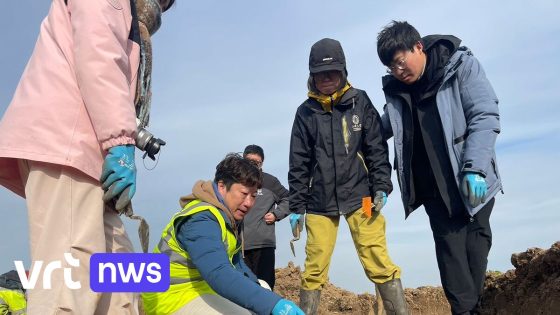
point(232, 73)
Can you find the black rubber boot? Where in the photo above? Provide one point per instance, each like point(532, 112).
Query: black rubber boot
point(309, 301)
point(392, 294)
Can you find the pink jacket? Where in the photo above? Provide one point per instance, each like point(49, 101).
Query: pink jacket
point(75, 98)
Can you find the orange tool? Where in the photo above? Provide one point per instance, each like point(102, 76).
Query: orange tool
point(366, 206)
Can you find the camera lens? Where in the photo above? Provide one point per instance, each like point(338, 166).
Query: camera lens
point(145, 141)
point(153, 146)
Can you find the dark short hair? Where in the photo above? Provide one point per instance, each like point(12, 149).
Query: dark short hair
point(234, 169)
point(254, 149)
point(395, 37)
point(169, 5)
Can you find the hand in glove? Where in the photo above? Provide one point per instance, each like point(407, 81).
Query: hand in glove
point(296, 221)
point(474, 188)
point(285, 307)
point(379, 200)
point(118, 177)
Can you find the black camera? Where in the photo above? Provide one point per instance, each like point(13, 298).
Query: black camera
point(145, 141)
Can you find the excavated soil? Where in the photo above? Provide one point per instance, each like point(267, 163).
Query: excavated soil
point(334, 300)
point(533, 287)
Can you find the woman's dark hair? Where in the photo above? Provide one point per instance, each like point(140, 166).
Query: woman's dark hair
point(253, 149)
point(395, 37)
point(234, 169)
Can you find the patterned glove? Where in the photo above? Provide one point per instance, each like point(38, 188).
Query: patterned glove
point(474, 188)
point(285, 307)
point(118, 177)
point(296, 220)
point(379, 200)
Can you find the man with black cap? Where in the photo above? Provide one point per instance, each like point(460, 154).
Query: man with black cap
point(338, 163)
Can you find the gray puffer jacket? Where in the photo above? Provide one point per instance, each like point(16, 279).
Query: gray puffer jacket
point(468, 108)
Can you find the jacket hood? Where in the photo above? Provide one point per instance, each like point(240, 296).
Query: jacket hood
point(450, 41)
point(204, 191)
point(430, 42)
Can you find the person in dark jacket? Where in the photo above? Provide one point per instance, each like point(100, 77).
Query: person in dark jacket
point(271, 205)
point(338, 162)
point(443, 114)
point(208, 275)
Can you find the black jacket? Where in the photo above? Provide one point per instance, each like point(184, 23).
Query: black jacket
point(328, 176)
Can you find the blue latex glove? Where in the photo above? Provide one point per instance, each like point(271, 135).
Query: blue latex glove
point(296, 220)
point(285, 307)
point(379, 200)
point(118, 177)
point(474, 188)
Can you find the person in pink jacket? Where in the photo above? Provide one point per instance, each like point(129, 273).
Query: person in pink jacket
point(67, 142)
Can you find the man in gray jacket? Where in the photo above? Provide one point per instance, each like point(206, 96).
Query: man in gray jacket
point(443, 115)
point(271, 205)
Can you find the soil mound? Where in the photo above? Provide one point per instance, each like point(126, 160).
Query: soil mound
point(334, 300)
point(533, 287)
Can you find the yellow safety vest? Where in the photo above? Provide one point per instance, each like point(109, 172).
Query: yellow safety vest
point(186, 281)
point(12, 301)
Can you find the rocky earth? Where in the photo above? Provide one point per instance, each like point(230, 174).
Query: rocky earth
point(533, 287)
point(334, 300)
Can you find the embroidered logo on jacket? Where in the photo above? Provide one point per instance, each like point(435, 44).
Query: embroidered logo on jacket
point(356, 125)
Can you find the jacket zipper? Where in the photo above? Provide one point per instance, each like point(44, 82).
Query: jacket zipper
point(334, 160)
point(312, 176)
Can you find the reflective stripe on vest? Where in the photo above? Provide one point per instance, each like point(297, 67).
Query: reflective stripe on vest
point(185, 279)
point(174, 257)
point(179, 256)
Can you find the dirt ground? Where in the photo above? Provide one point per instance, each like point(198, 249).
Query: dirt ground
point(334, 300)
point(533, 287)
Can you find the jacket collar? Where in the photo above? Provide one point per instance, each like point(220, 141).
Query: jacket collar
point(205, 191)
point(345, 101)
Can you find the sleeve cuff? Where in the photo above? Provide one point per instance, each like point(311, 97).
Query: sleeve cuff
point(473, 170)
point(113, 142)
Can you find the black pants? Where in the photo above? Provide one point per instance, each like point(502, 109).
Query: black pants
point(261, 262)
point(462, 245)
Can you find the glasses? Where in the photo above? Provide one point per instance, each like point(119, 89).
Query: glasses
point(400, 64)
